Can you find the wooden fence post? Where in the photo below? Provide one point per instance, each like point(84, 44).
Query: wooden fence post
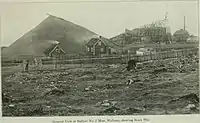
point(55, 60)
point(176, 54)
point(168, 54)
point(150, 56)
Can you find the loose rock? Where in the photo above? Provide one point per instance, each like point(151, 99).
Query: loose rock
point(112, 109)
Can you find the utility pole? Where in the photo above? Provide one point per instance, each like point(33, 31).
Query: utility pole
point(59, 56)
point(184, 23)
point(55, 62)
point(123, 43)
point(166, 14)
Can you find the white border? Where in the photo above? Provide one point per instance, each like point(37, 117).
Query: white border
point(152, 118)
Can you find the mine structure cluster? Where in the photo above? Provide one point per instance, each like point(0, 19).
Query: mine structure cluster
point(150, 40)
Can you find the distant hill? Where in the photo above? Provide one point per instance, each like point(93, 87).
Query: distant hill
point(72, 38)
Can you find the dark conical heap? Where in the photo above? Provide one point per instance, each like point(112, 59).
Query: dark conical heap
point(72, 38)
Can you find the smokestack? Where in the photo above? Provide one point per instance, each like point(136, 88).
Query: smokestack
point(184, 23)
point(166, 14)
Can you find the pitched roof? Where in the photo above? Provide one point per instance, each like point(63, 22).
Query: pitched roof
point(92, 41)
point(108, 42)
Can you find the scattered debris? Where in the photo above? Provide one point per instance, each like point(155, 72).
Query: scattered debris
point(130, 81)
point(159, 70)
point(194, 109)
point(53, 86)
point(112, 109)
point(133, 110)
point(38, 110)
point(87, 72)
point(11, 105)
point(190, 97)
point(145, 107)
point(110, 84)
point(106, 103)
point(190, 106)
point(189, 100)
point(146, 93)
point(139, 66)
point(57, 92)
point(86, 77)
point(113, 66)
point(73, 110)
point(5, 98)
point(48, 106)
point(89, 88)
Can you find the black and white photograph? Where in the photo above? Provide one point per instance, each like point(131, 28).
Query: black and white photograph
point(102, 58)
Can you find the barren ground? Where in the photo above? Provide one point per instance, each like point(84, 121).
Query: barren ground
point(75, 90)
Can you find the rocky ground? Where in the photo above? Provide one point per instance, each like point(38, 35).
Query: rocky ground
point(162, 87)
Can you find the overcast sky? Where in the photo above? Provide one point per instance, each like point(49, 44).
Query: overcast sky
point(104, 18)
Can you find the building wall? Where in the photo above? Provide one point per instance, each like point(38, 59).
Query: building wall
point(98, 49)
point(155, 34)
point(180, 39)
point(89, 50)
point(192, 40)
